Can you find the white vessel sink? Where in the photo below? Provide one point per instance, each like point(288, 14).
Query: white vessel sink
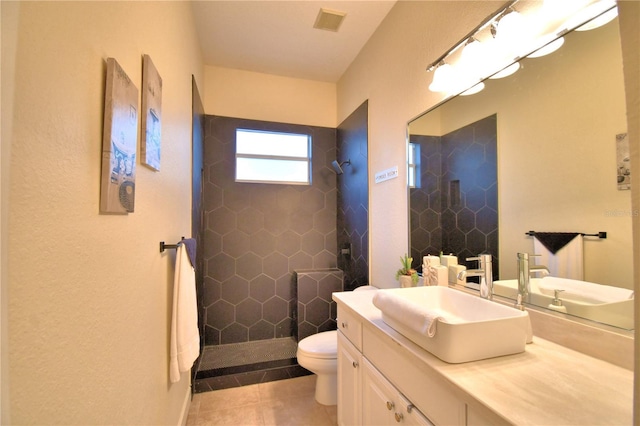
point(475, 328)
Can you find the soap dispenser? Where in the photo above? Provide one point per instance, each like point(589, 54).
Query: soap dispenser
point(556, 303)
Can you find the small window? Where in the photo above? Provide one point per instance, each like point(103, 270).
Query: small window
point(271, 157)
point(413, 164)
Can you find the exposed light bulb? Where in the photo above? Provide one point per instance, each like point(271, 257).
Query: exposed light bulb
point(506, 72)
point(472, 91)
point(561, 8)
point(511, 28)
point(600, 20)
point(472, 52)
point(548, 48)
point(473, 61)
point(442, 78)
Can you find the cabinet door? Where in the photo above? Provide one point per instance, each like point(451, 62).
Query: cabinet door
point(404, 369)
point(349, 383)
point(379, 398)
point(412, 416)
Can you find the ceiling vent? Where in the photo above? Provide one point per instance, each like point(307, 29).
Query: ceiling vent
point(329, 20)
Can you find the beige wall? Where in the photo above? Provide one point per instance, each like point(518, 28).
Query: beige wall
point(7, 54)
point(256, 96)
point(90, 295)
point(390, 73)
point(629, 24)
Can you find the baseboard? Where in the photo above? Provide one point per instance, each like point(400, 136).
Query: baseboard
point(185, 408)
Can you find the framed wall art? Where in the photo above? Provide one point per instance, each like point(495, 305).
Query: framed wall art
point(119, 142)
point(624, 163)
point(151, 114)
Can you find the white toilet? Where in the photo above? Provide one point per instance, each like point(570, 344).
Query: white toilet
point(318, 353)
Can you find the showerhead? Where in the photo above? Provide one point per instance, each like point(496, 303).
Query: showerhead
point(338, 166)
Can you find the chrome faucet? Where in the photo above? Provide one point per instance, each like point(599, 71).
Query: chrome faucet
point(485, 272)
point(524, 274)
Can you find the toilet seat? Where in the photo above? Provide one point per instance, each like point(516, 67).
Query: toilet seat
point(323, 345)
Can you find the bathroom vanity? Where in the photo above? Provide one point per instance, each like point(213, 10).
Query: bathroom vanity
point(384, 378)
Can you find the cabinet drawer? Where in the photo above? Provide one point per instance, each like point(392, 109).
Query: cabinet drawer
point(431, 394)
point(351, 326)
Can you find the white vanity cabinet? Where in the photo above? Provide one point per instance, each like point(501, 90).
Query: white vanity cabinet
point(377, 365)
point(365, 396)
point(351, 327)
point(349, 382)
point(430, 394)
point(383, 404)
point(380, 400)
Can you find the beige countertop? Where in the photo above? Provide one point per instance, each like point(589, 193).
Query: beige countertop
point(548, 384)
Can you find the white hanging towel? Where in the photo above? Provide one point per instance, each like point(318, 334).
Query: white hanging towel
point(567, 262)
point(185, 338)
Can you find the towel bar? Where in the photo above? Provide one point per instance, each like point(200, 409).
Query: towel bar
point(164, 246)
point(600, 234)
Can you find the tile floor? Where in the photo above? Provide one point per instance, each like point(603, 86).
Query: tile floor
point(283, 402)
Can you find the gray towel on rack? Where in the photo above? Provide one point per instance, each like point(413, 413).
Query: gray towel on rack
point(554, 241)
point(190, 244)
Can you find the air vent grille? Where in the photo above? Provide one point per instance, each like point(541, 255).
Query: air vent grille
point(329, 20)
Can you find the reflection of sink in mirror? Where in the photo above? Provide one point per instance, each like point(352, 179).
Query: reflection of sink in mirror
point(549, 130)
point(596, 302)
point(475, 328)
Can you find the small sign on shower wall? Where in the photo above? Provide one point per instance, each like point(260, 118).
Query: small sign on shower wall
point(387, 174)
point(623, 160)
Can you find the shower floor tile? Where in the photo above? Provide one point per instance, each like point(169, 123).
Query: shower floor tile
point(247, 363)
point(246, 353)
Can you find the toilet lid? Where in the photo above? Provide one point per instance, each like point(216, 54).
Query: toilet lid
point(321, 345)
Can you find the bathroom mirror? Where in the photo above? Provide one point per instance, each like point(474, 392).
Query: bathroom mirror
point(556, 124)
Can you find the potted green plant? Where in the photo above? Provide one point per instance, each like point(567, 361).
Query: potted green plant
point(407, 276)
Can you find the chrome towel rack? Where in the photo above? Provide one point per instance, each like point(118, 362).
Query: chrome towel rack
point(600, 234)
point(164, 246)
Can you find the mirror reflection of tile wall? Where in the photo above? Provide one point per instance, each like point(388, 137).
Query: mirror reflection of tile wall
point(455, 207)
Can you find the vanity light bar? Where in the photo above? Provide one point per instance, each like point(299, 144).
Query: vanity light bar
point(545, 37)
point(473, 32)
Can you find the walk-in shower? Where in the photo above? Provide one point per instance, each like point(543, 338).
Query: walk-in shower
point(256, 235)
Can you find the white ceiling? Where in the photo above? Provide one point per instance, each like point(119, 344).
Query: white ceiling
point(277, 37)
